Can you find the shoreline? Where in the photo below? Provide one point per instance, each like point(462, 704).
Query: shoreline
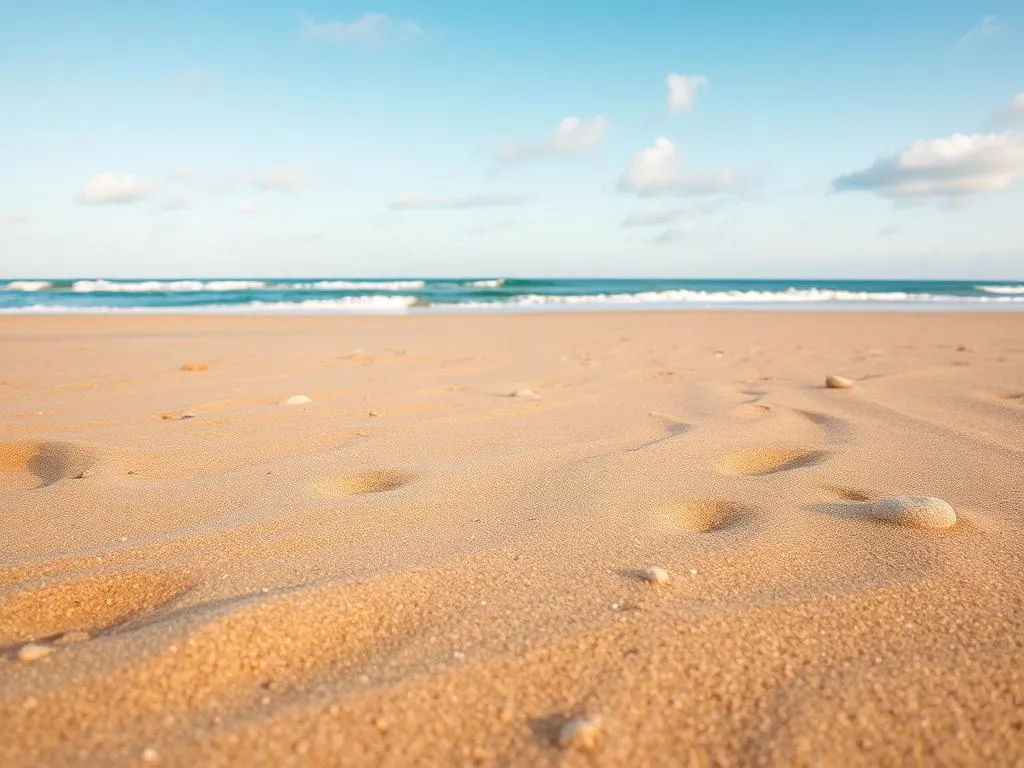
point(992, 306)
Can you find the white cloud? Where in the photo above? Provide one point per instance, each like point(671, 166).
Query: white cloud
point(987, 28)
point(15, 218)
point(682, 91)
point(368, 29)
point(956, 166)
point(408, 201)
point(657, 216)
point(284, 179)
point(570, 137)
point(656, 171)
point(113, 188)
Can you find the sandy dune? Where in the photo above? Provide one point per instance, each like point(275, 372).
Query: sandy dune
point(417, 567)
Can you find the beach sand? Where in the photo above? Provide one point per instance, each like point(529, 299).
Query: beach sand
point(417, 567)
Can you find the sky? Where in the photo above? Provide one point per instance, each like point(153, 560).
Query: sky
point(569, 139)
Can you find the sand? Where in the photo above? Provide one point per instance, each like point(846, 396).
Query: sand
point(416, 568)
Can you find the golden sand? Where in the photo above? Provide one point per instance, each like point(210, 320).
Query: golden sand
point(416, 568)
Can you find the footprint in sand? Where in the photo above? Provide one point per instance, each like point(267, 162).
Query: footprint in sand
point(766, 461)
point(29, 465)
point(1012, 398)
point(364, 482)
point(706, 515)
point(86, 604)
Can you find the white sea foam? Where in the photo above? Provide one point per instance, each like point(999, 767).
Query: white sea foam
point(366, 285)
point(1007, 290)
point(359, 303)
point(686, 296)
point(154, 286)
point(497, 283)
point(346, 303)
point(27, 285)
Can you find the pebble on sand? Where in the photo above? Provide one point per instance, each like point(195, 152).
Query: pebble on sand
point(915, 511)
point(150, 755)
point(526, 393)
point(838, 382)
point(582, 733)
point(655, 575)
point(33, 652)
point(297, 400)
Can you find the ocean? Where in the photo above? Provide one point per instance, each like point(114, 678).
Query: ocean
point(375, 296)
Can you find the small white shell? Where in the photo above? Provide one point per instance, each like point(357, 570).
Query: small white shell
point(33, 652)
point(838, 382)
point(655, 575)
point(582, 733)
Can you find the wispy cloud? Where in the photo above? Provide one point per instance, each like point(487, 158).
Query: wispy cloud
point(658, 216)
point(489, 227)
point(368, 29)
point(174, 205)
point(572, 136)
point(669, 236)
point(113, 189)
point(988, 28)
point(957, 166)
point(195, 79)
point(284, 179)
point(1015, 109)
point(408, 201)
point(657, 171)
point(682, 91)
point(249, 208)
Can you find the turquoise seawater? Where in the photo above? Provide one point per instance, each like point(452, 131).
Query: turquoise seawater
point(414, 295)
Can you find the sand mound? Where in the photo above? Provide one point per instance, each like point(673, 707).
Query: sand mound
point(915, 511)
point(364, 482)
point(765, 461)
point(86, 604)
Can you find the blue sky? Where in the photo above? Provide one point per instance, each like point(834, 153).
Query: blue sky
point(796, 139)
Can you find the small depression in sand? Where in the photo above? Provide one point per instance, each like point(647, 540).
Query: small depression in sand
point(846, 493)
point(706, 515)
point(29, 465)
point(1016, 398)
point(364, 482)
point(765, 461)
point(751, 411)
point(89, 604)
